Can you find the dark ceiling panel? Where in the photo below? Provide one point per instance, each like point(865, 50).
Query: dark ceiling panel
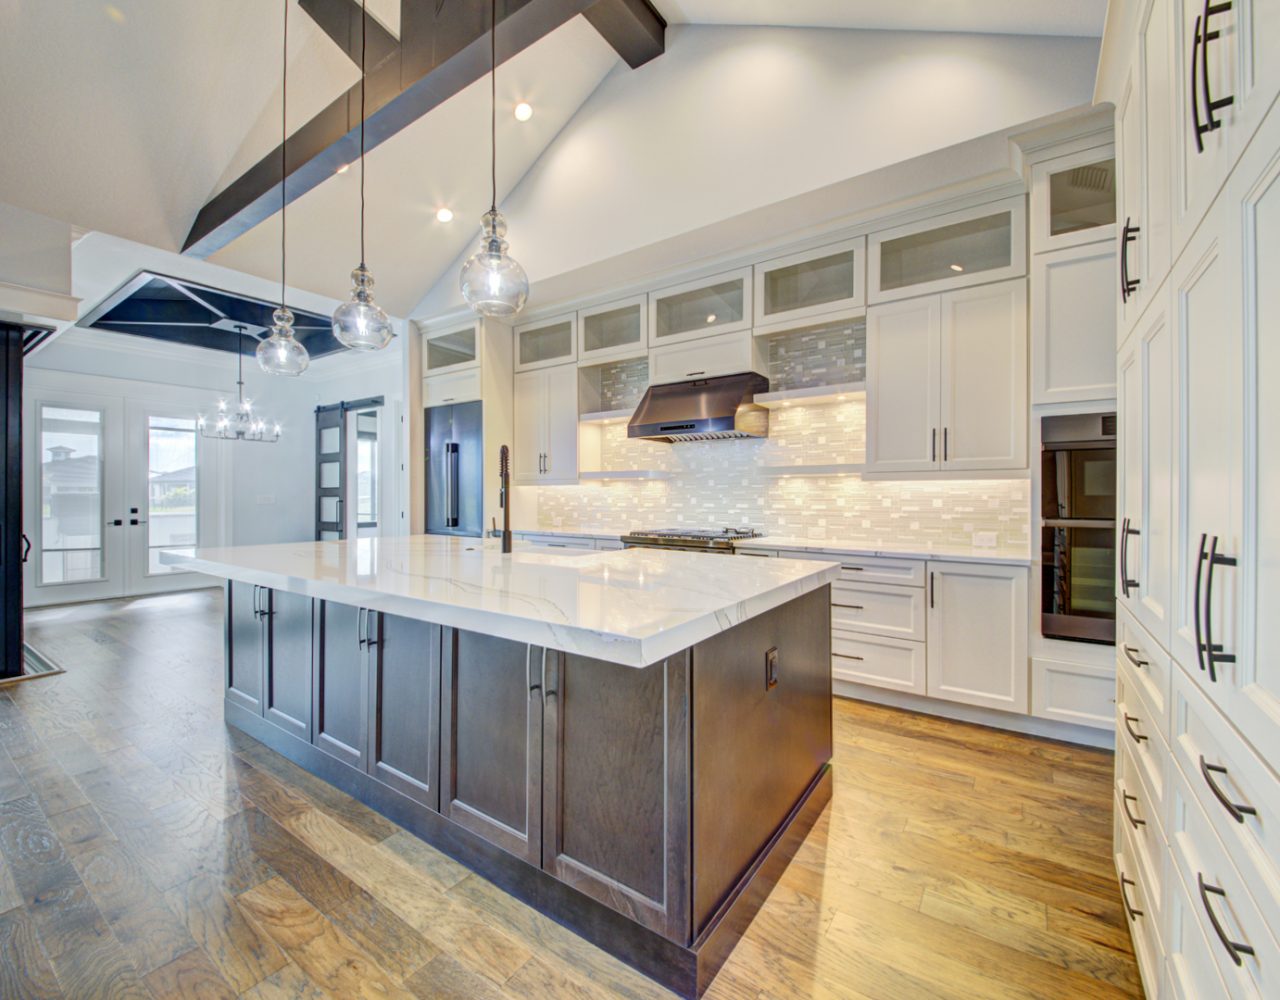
point(177, 311)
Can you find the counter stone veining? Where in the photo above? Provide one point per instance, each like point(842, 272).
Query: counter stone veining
point(630, 606)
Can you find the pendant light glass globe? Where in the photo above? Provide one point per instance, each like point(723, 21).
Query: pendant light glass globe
point(494, 283)
point(281, 353)
point(361, 324)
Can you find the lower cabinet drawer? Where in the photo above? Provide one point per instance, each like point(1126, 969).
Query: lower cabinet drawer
point(897, 612)
point(1238, 793)
point(1242, 946)
point(897, 664)
point(1143, 826)
point(1136, 898)
point(1073, 692)
point(869, 569)
point(1139, 731)
point(1192, 973)
point(1150, 666)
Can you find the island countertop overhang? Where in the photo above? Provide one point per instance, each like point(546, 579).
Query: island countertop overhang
point(633, 607)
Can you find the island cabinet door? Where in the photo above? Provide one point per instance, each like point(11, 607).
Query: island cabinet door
point(339, 704)
point(404, 695)
point(491, 740)
point(615, 793)
point(288, 661)
point(244, 645)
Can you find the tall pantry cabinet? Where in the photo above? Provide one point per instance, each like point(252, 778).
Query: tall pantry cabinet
point(1197, 840)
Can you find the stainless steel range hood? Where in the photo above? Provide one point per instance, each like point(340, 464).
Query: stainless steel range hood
point(706, 409)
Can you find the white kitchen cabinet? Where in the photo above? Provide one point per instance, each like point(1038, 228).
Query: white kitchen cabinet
point(451, 350)
point(1073, 324)
point(1144, 156)
point(614, 331)
point(1209, 491)
point(546, 426)
point(947, 381)
point(454, 387)
point(700, 308)
point(1146, 404)
point(860, 658)
point(809, 285)
point(546, 342)
point(1073, 200)
point(1077, 693)
point(977, 634)
point(980, 244)
point(726, 354)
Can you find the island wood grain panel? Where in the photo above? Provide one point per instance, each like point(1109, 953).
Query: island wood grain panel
point(953, 862)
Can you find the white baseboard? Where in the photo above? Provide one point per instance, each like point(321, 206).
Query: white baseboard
point(1026, 724)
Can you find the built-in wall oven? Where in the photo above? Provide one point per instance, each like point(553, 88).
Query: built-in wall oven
point(1078, 527)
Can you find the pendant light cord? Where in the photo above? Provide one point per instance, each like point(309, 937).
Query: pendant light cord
point(493, 101)
point(284, 136)
point(364, 34)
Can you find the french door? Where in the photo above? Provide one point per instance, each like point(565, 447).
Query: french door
point(111, 483)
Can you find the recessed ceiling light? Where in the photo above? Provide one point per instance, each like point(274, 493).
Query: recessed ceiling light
point(711, 317)
point(524, 111)
point(444, 215)
point(957, 267)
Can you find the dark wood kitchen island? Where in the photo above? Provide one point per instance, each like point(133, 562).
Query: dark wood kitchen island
point(632, 742)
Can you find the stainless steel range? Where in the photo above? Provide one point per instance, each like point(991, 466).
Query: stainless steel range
point(722, 540)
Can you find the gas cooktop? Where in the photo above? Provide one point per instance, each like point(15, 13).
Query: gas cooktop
point(710, 539)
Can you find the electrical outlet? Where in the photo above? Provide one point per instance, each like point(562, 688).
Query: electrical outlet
point(984, 539)
point(265, 499)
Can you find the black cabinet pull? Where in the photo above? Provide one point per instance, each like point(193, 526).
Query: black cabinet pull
point(930, 588)
point(1125, 882)
point(257, 613)
point(1234, 948)
point(1237, 810)
point(26, 546)
point(1128, 724)
point(1133, 820)
point(945, 435)
point(1126, 584)
point(933, 445)
point(854, 607)
point(1213, 651)
point(1201, 37)
point(1131, 654)
point(362, 617)
point(1129, 234)
point(370, 629)
point(1195, 603)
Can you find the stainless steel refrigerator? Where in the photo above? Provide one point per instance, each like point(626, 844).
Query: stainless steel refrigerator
point(455, 470)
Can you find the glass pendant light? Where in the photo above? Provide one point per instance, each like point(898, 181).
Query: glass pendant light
point(361, 324)
point(281, 353)
point(492, 282)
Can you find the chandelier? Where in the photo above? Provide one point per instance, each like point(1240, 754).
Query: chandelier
point(240, 424)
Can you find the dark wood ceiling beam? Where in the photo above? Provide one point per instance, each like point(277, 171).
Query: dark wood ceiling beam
point(341, 20)
point(443, 48)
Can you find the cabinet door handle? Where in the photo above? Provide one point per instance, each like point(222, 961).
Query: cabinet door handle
point(1129, 234)
point(1125, 882)
point(362, 618)
point(1238, 810)
point(853, 569)
point(1133, 820)
point(933, 445)
point(691, 374)
point(1195, 603)
point(930, 588)
point(1129, 720)
point(370, 629)
point(26, 546)
point(1213, 652)
point(1126, 584)
point(1234, 948)
point(946, 433)
point(256, 613)
point(1131, 654)
point(1201, 38)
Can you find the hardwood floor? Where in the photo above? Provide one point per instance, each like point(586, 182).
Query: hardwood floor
point(148, 851)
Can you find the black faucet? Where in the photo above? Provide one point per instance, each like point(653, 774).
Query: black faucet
point(504, 495)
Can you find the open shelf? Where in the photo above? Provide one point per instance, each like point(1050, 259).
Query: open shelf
point(813, 396)
point(606, 417)
point(600, 476)
point(837, 469)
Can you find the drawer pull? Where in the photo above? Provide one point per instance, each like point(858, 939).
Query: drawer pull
point(1125, 882)
point(1128, 724)
point(853, 607)
point(1236, 810)
point(1131, 654)
point(852, 569)
point(1234, 948)
point(1133, 820)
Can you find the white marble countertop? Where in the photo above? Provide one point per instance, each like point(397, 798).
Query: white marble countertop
point(632, 606)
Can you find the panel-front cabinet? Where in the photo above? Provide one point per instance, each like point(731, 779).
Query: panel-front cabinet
point(403, 670)
point(340, 697)
point(546, 426)
point(977, 650)
point(245, 646)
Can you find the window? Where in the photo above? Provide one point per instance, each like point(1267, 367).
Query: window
point(71, 515)
point(367, 469)
point(172, 508)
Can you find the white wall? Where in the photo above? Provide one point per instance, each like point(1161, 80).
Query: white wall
point(732, 118)
point(35, 265)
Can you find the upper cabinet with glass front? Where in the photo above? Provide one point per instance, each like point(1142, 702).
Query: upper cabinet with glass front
point(1073, 200)
point(450, 349)
point(694, 309)
point(614, 331)
point(805, 285)
point(545, 342)
point(973, 246)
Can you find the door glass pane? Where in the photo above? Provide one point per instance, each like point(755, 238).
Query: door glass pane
point(172, 507)
point(328, 509)
point(961, 248)
point(812, 283)
point(451, 349)
point(546, 343)
point(71, 515)
point(330, 440)
point(1082, 198)
point(367, 469)
point(700, 309)
point(329, 472)
point(615, 328)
